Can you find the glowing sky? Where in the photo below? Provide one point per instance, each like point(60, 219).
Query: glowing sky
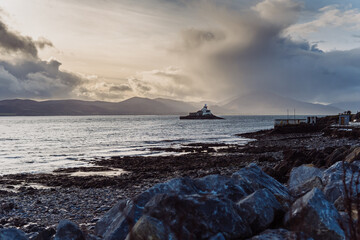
point(181, 49)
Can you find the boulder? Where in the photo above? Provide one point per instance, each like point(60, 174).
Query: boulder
point(12, 234)
point(299, 175)
point(302, 188)
point(260, 209)
point(333, 179)
point(337, 155)
point(257, 179)
point(68, 230)
point(315, 216)
point(149, 228)
point(354, 155)
point(225, 186)
point(280, 234)
point(198, 216)
point(218, 236)
point(45, 234)
point(340, 204)
point(115, 224)
point(124, 215)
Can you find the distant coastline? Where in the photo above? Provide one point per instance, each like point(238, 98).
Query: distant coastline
point(256, 104)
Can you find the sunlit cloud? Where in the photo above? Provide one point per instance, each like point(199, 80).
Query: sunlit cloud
point(180, 49)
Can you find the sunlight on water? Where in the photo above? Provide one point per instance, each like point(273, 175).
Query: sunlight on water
point(42, 144)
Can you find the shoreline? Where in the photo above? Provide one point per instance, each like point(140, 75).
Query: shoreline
point(85, 197)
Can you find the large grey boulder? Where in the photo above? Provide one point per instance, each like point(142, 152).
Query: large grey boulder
point(116, 223)
point(257, 179)
point(12, 234)
point(224, 186)
point(198, 216)
point(334, 177)
point(149, 228)
point(280, 234)
point(299, 175)
point(218, 236)
point(260, 209)
point(45, 234)
point(315, 216)
point(125, 214)
point(303, 188)
point(354, 155)
point(68, 230)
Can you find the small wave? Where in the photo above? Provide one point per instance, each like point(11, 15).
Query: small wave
point(9, 139)
point(15, 157)
point(167, 141)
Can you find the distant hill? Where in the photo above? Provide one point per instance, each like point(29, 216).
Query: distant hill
point(132, 106)
point(252, 104)
point(265, 103)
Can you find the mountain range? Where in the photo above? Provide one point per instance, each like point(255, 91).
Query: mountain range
point(251, 104)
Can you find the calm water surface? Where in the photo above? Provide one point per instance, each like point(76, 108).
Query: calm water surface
point(42, 144)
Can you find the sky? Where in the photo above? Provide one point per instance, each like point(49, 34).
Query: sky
point(190, 50)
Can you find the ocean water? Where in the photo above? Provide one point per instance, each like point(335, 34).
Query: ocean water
point(42, 144)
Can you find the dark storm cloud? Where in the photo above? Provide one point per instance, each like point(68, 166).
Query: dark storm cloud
point(27, 76)
point(43, 42)
point(36, 79)
point(14, 42)
point(255, 55)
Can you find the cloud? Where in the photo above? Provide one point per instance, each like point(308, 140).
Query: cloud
point(196, 38)
point(11, 41)
point(33, 78)
point(229, 48)
point(170, 82)
point(121, 88)
point(25, 75)
point(256, 53)
point(329, 16)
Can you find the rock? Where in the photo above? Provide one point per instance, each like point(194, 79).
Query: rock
point(149, 228)
point(198, 216)
point(340, 204)
point(258, 179)
point(260, 209)
point(354, 155)
point(12, 234)
point(6, 207)
point(333, 179)
point(299, 175)
point(315, 216)
point(302, 188)
point(45, 234)
point(117, 222)
point(218, 236)
point(337, 155)
point(225, 186)
point(280, 234)
point(68, 230)
point(92, 237)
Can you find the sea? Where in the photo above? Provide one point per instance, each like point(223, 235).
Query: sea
point(43, 144)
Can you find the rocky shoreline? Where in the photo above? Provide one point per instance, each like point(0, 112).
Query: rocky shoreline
point(36, 203)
